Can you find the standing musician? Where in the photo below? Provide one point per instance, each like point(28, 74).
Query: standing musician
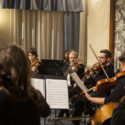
point(33, 60)
point(116, 95)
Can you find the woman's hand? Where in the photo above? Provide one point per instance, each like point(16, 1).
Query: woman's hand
point(87, 95)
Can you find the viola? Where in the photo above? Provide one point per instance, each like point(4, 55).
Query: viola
point(105, 85)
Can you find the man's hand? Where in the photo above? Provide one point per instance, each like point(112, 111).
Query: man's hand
point(75, 85)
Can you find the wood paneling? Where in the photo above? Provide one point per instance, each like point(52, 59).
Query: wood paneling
point(112, 26)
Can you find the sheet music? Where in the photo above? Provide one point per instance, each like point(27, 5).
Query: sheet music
point(39, 84)
point(57, 94)
point(78, 81)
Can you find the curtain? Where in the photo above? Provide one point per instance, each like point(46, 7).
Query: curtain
point(71, 24)
point(41, 30)
point(51, 31)
point(47, 5)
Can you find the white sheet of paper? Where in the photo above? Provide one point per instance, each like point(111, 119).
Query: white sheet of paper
point(57, 94)
point(39, 84)
point(78, 81)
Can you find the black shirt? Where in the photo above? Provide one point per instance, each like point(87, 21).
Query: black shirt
point(18, 113)
point(90, 82)
point(118, 92)
point(118, 117)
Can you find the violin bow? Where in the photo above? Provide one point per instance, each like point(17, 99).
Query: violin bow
point(98, 61)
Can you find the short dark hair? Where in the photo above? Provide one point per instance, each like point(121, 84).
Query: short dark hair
point(107, 52)
point(33, 51)
point(122, 57)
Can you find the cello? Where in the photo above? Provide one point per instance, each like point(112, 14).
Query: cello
point(104, 113)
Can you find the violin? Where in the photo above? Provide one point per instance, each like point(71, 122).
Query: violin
point(105, 85)
point(94, 68)
point(35, 65)
point(76, 65)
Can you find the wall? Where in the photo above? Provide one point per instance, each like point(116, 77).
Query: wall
point(98, 18)
point(5, 26)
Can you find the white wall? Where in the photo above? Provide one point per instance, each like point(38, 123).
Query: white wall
point(97, 27)
point(94, 29)
point(5, 26)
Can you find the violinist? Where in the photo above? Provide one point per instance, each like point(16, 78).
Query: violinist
point(66, 56)
point(119, 90)
point(77, 66)
point(115, 96)
point(105, 60)
point(33, 60)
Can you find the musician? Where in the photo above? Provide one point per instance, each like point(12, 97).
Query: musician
point(105, 60)
point(119, 90)
point(78, 67)
point(33, 60)
point(66, 56)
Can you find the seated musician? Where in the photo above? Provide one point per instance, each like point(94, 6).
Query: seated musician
point(98, 73)
point(66, 56)
point(78, 67)
point(90, 81)
point(33, 60)
point(119, 90)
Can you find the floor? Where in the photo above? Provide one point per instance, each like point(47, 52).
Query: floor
point(53, 120)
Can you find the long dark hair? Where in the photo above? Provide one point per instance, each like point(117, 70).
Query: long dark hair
point(15, 73)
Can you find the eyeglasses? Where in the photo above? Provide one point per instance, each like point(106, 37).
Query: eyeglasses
point(101, 57)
